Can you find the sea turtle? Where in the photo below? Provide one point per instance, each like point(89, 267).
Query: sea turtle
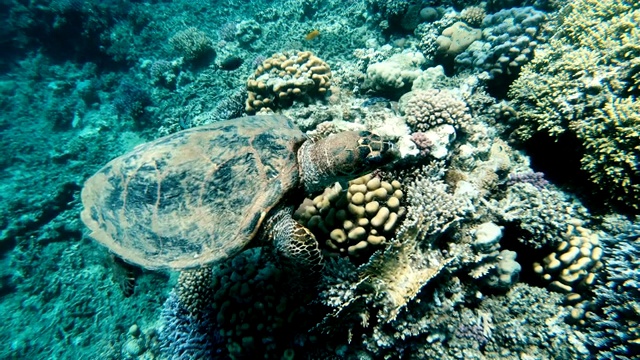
point(204, 194)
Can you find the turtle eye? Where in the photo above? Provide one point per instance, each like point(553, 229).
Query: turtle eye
point(366, 138)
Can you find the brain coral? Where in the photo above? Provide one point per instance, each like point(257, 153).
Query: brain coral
point(586, 83)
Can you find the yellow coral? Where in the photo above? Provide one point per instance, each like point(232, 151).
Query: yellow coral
point(584, 83)
point(572, 267)
point(285, 77)
point(358, 220)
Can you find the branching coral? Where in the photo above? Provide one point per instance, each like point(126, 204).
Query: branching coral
point(542, 214)
point(425, 109)
point(586, 83)
point(614, 322)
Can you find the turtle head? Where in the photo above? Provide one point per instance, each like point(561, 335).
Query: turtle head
point(342, 157)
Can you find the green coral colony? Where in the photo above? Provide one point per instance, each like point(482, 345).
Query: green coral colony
point(322, 180)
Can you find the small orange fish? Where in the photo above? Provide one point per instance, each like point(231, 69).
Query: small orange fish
point(312, 34)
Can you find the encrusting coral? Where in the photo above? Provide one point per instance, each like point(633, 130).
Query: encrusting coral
point(285, 77)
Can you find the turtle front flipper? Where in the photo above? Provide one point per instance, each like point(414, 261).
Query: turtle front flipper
point(295, 246)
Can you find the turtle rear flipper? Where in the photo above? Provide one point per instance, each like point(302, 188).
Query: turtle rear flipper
point(295, 246)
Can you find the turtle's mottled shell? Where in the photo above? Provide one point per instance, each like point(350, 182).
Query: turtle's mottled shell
point(194, 197)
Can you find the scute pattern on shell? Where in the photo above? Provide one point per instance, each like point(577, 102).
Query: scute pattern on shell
point(196, 196)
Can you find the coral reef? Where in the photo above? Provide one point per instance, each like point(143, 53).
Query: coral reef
point(83, 82)
point(184, 335)
point(584, 85)
point(534, 178)
point(192, 43)
point(456, 38)
point(243, 307)
point(194, 290)
point(285, 77)
point(542, 214)
point(473, 15)
point(394, 74)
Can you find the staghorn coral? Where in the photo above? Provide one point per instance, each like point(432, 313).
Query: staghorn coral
point(358, 220)
point(425, 109)
point(285, 77)
point(585, 83)
point(611, 139)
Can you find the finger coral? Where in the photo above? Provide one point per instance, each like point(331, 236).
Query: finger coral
point(358, 220)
